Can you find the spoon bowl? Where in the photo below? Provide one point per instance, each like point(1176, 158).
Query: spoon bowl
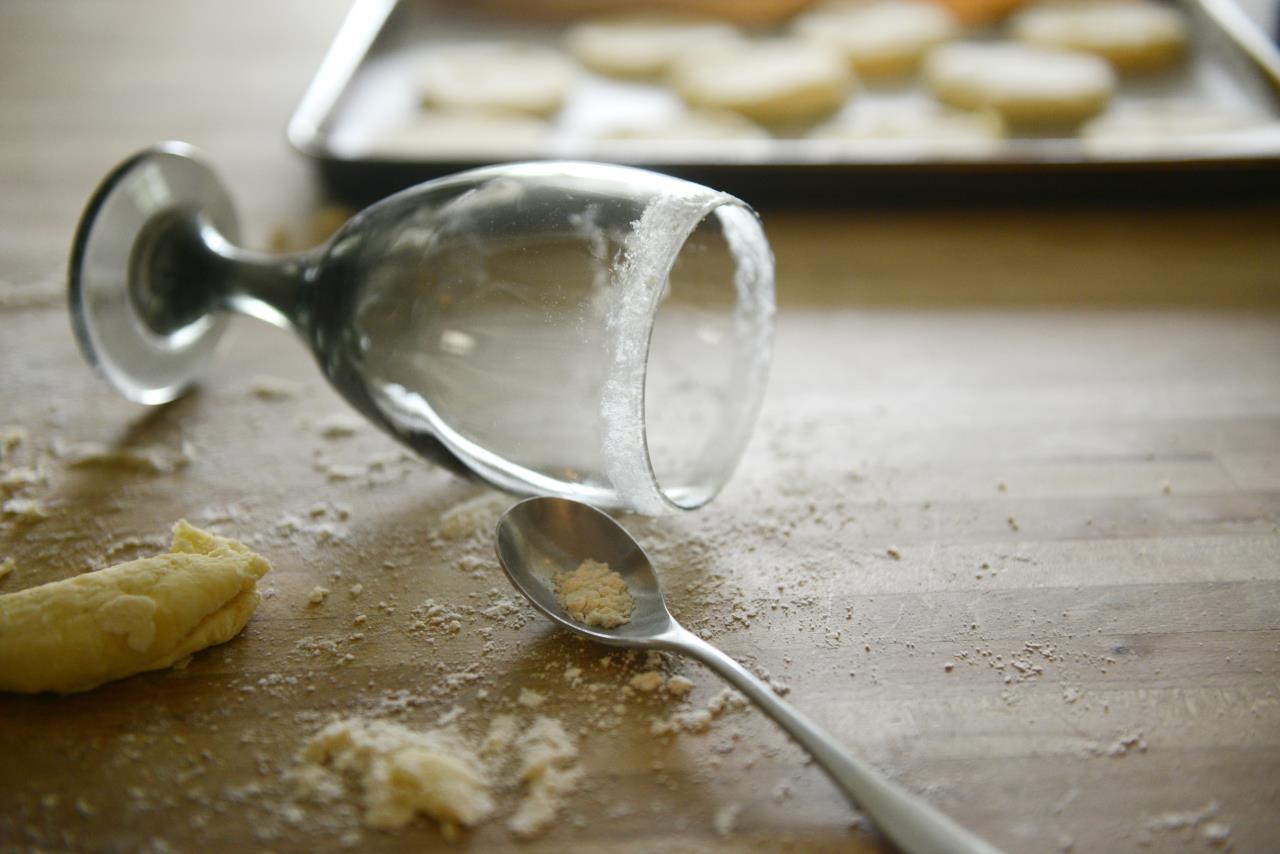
point(540, 537)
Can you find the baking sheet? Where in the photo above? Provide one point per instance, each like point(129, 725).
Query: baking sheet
point(365, 90)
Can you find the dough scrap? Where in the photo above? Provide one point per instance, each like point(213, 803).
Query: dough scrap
point(642, 45)
point(523, 78)
point(1164, 126)
point(1139, 36)
point(690, 126)
point(880, 39)
point(773, 81)
point(458, 133)
point(75, 634)
point(1024, 85)
point(937, 132)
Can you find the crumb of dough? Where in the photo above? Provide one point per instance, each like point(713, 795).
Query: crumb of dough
point(142, 615)
point(549, 773)
point(679, 686)
point(595, 595)
point(893, 553)
point(1130, 741)
point(530, 699)
point(272, 388)
point(355, 590)
point(1180, 821)
point(647, 682)
point(339, 426)
point(11, 436)
point(6, 566)
point(20, 478)
point(317, 595)
point(1216, 833)
point(726, 818)
point(400, 772)
point(25, 510)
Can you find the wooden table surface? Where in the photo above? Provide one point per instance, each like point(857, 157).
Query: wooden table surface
point(1008, 526)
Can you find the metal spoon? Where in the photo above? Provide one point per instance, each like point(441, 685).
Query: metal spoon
point(540, 537)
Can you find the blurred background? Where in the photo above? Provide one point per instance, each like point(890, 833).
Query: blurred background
point(848, 102)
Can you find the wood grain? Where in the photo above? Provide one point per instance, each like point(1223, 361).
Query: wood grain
point(1064, 423)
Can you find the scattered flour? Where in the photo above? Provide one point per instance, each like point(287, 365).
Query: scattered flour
point(726, 819)
point(154, 459)
point(1216, 833)
point(595, 595)
point(549, 773)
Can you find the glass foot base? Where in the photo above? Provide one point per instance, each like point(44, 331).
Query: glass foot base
point(112, 265)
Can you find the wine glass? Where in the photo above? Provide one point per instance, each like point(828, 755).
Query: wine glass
point(582, 330)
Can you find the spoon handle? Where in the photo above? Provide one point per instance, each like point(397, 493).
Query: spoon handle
point(912, 824)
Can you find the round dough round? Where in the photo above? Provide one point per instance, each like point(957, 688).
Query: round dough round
point(778, 81)
point(692, 125)
point(496, 76)
point(1025, 85)
point(642, 45)
point(1131, 36)
point(1161, 127)
point(930, 132)
point(881, 39)
point(458, 134)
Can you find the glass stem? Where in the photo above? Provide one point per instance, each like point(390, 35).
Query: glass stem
point(268, 287)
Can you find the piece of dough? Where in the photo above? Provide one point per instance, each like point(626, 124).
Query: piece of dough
point(926, 132)
point(778, 81)
point(642, 45)
point(1132, 36)
point(976, 12)
point(1162, 127)
point(147, 614)
point(881, 39)
point(524, 78)
point(1024, 85)
point(692, 125)
point(459, 134)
